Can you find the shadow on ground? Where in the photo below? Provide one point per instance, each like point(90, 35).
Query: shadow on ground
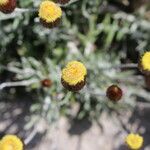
point(78, 127)
point(14, 115)
point(140, 120)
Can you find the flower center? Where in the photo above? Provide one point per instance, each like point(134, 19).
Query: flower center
point(74, 72)
point(49, 11)
point(134, 141)
point(9, 147)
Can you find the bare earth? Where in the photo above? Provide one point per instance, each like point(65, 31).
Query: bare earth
point(77, 135)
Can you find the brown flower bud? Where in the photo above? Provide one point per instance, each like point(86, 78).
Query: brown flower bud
point(46, 83)
point(7, 6)
point(114, 93)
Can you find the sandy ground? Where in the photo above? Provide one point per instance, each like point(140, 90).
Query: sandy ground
point(74, 135)
point(81, 136)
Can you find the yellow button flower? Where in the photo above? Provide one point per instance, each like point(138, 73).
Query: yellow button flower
point(145, 61)
point(11, 142)
point(74, 72)
point(49, 11)
point(73, 76)
point(134, 141)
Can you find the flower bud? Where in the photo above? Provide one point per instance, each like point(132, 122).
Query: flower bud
point(114, 93)
point(7, 6)
point(46, 83)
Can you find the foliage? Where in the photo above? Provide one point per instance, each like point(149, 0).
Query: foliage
point(98, 33)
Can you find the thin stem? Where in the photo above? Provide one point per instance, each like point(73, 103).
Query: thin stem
point(46, 105)
point(37, 129)
point(22, 10)
point(11, 69)
point(93, 92)
point(30, 136)
point(122, 66)
point(19, 83)
point(10, 16)
point(17, 12)
point(66, 99)
point(71, 2)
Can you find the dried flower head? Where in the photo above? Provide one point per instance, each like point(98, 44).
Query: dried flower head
point(114, 93)
point(11, 142)
point(144, 63)
point(49, 13)
point(46, 83)
point(134, 141)
point(7, 6)
point(74, 76)
point(62, 1)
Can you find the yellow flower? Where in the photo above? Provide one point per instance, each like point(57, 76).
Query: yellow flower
point(11, 142)
point(74, 73)
point(49, 11)
point(3, 2)
point(134, 141)
point(145, 61)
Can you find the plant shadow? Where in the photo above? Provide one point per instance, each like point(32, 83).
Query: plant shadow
point(14, 116)
point(78, 127)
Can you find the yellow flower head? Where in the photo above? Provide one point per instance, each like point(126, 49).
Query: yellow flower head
point(74, 73)
point(49, 11)
point(145, 61)
point(3, 2)
point(134, 141)
point(11, 142)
